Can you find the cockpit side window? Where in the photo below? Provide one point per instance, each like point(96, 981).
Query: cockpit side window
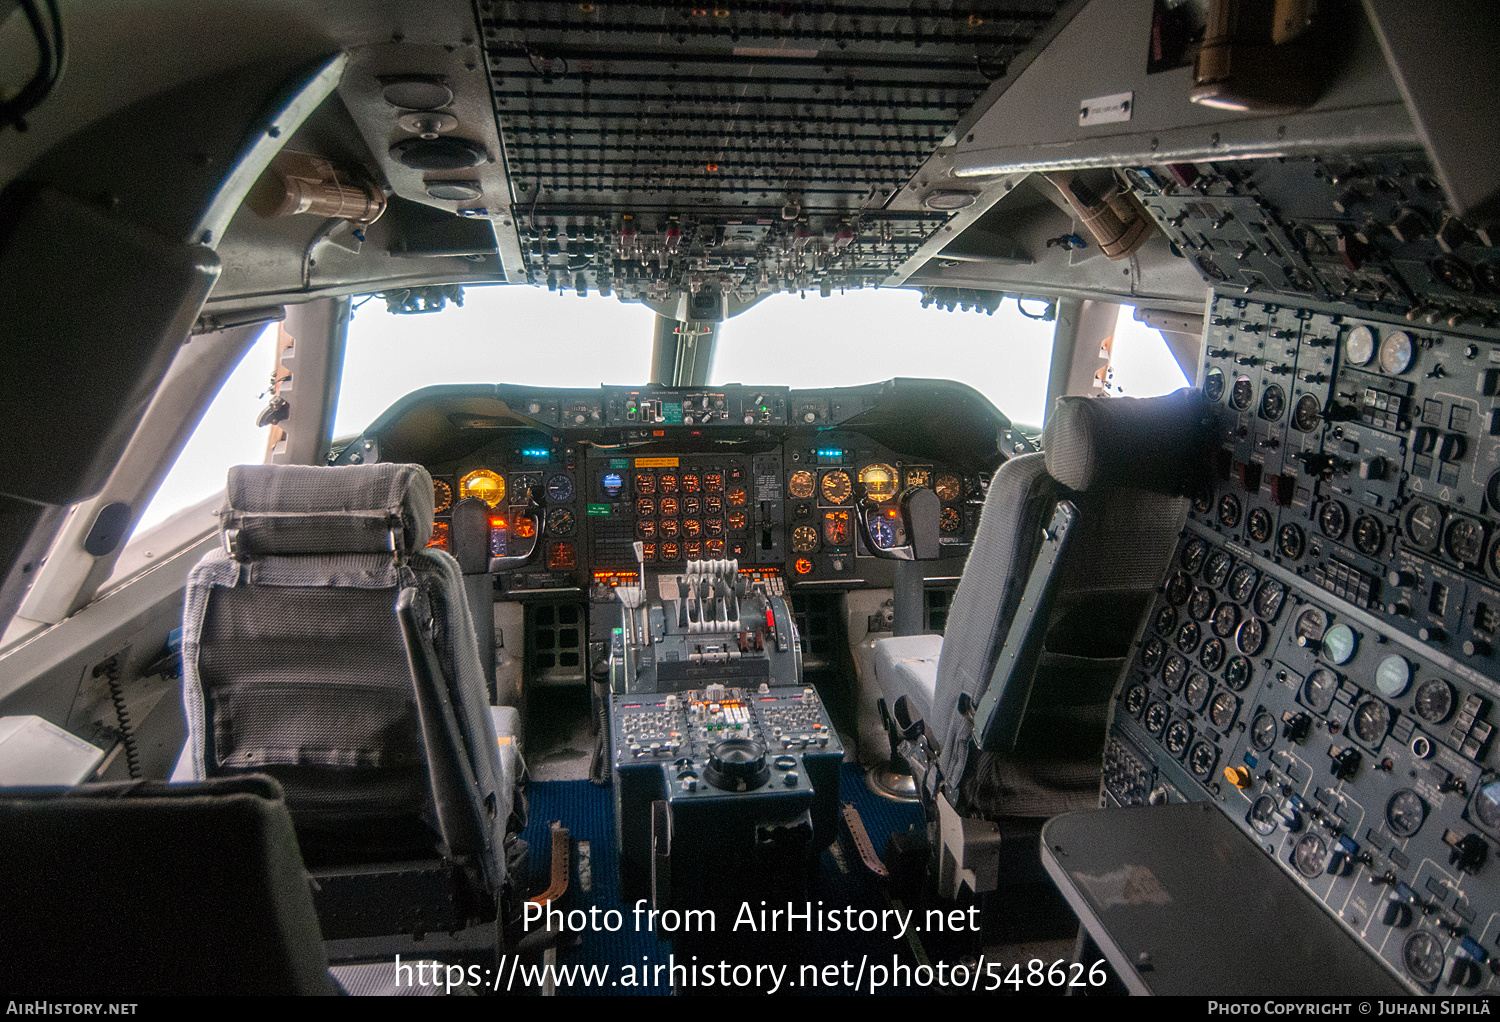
point(1140, 361)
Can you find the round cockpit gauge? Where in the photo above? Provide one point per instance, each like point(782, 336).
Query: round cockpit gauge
point(645, 484)
point(1309, 856)
point(1464, 541)
point(949, 521)
point(1434, 700)
point(1242, 583)
point(1258, 525)
point(1263, 732)
point(1200, 605)
point(801, 484)
point(1213, 384)
point(560, 522)
point(560, 488)
point(949, 488)
point(1188, 636)
point(1486, 807)
point(736, 521)
point(836, 528)
point(1166, 620)
point(1405, 812)
point(1396, 352)
point(882, 532)
point(1193, 555)
point(1226, 619)
point(1229, 511)
point(1492, 490)
point(1211, 656)
point(1333, 519)
point(1368, 536)
point(880, 482)
point(1156, 718)
point(1494, 559)
point(1152, 650)
point(1371, 721)
point(1262, 818)
point(1272, 403)
point(645, 507)
point(482, 483)
point(735, 495)
point(1237, 673)
point(1241, 394)
point(442, 496)
point(1290, 541)
point(1422, 955)
point(611, 484)
point(1202, 759)
point(1306, 414)
point(713, 481)
point(1223, 710)
point(1424, 526)
point(1320, 688)
point(804, 539)
point(1177, 738)
point(1173, 672)
point(836, 487)
point(1179, 587)
point(1195, 692)
point(691, 482)
point(1392, 676)
point(668, 507)
point(1135, 699)
point(918, 477)
point(1268, 599)
point(1251, 637)
point(1359, 346)
point(1311, 624)
point(1339, 643)
point(1216, 569)
point(667, 481)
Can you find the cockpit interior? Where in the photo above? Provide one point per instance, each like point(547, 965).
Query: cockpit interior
point(638, 651)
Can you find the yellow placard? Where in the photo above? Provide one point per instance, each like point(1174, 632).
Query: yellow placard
point(656, 463)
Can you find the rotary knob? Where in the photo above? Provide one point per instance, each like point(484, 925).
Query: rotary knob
point(737, 764)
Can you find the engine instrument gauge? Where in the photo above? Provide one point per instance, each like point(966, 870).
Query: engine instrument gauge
point(1319, 689)
point(1368, 536)
point(1174, 671)
point(1237, 673)
point(1135, 699)
point(645, 483)
point(691, 482)
point(835, 486)
point(1179, 587)
point(441, 535)
point(1156, 718)
point(736, 496)
point(1193, 555)
point(1213, 384)
point(1258, 525)
point(560, 488)
point(713, 526)
point(669, 528)
point(442, 496)
point(1311, 624)
point(1424, 526)
point(1333, 519)
point(836, 528)
point(1166, 620)
point(1152, 650)
point(1202, 759)
point(1268, 599)
point(1195, 692)
point(1200, 605)
point(1229, 511)
point(949, 488)
point(804, 539)
point(1211, 656)
point(879, 481)
point(918, 477)
point(1188, 636)
point(1371, 721)
point(1226, 619)
point(1241, 394)
point(715, 506)
point(1263, 732)
point(668, 482)
point(668, 507)
point(1339, 643)
point(1177, 738)
point(1423, 957)
point(1216, 570)
point(949, 521)
point(1251, 637)
point(736, 521)
point(1262, 817)
point(1359, 346)
point(1309, 856)
point(692, 528)
point(1242, 583)
point(1396, 352)
point(801, 484)
point(1464, 541)
point(645, 529)
point(1434, 700)
point(1306, 414)
point(1222, 711)
point(713, 482)
point(1485, 809)
point(482, 483)
point(1272, 403)
point(1393, 676)
point(1405, 812)
point(560, 522)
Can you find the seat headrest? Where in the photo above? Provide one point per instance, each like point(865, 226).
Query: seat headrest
point(309, 509)
point(1162, 444)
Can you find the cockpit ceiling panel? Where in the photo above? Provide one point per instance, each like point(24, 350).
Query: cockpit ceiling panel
point(827, 107)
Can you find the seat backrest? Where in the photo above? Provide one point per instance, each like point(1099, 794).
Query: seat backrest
point(295, 664)
point(121, 890)
point(1125, 464)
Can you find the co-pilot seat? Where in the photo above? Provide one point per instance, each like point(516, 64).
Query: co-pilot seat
point(1122, 466)
point(326, 646)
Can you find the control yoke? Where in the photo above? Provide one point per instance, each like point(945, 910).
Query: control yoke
point(906, 531)
point(487, 540)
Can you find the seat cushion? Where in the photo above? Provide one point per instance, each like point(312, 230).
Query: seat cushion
point(907, 666)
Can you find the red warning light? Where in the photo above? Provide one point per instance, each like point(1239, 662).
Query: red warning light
point(803, 566)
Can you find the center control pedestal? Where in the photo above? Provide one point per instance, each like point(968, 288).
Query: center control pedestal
point(725, 767)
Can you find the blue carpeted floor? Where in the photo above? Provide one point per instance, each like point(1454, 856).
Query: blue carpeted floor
point(587, 811)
